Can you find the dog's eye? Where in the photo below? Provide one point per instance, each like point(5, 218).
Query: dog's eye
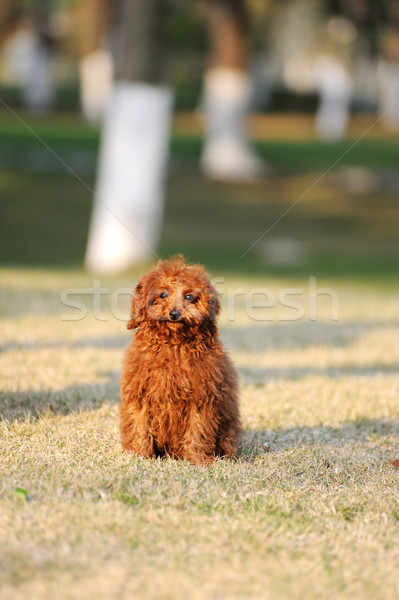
point(189, 297)
point(163, 295)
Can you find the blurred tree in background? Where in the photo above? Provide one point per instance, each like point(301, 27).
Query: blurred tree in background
point(286, 37)
point(357, 205)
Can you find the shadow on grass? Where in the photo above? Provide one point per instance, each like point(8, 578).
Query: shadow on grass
point(261, 337)
point(260, 376)
point(116, 342)
point(31, 405)
point(257, 442)
point(258, 338)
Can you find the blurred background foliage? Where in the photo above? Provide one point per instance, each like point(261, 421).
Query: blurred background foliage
point(360, 30)
point(347, 224)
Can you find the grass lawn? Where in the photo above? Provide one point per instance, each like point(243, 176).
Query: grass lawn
point(310, 510)
point(316, 517)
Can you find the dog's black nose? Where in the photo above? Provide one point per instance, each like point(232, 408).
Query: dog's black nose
point(175, 315)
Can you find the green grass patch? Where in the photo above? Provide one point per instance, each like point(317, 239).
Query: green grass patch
point(45, 217)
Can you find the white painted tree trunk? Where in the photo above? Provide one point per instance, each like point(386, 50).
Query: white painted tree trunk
point(38, 93)
point(333, 84)
point(227, 152)
point(28, 64)
point(126, 218)
point(388, 97)
point(95, 71)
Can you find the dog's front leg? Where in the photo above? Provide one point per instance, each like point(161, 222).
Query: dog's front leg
point(135, 435)
point(193, 453)
point(226, 446)
point(200, 440)
point(141, 446)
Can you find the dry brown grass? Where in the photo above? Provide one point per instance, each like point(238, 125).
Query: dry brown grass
point(316, 518)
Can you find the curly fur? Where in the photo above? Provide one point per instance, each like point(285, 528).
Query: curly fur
point(178, 387)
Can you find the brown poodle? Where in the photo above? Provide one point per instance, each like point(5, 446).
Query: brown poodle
point(178, 387)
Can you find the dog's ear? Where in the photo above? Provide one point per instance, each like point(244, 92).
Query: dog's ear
point(214, 303)
point(137, 309)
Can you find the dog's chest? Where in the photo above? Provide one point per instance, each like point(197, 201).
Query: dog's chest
point(170, 386)
point(175, 374)
point(175, 386)
point(173, 378)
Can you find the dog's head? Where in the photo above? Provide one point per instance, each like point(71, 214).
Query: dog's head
point(174, 295)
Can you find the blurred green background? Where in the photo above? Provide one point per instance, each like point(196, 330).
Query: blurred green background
point(347, 222)
point(328, 208)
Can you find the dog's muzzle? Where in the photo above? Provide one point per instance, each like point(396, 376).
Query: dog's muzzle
point(174, 315)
